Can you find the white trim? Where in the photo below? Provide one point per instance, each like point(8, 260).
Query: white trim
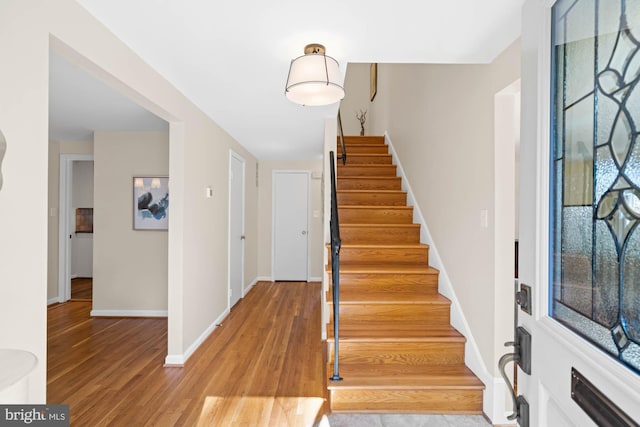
point(232, 155)
point(53, 300)
point(180, 359)
point(315, 279)
point(472, 358)
point(264, 279)
point(64, 212)
point(129, 313)
point(174, 360)
point(246, 290)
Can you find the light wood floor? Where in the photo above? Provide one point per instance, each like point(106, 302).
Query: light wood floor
point(262, 367)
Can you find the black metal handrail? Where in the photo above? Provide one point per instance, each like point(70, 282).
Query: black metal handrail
point(342, 147)
point(336, 242)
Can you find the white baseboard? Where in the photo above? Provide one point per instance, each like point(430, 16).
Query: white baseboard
point(315, 279)
point(53, 300)
point(73, 276)
point(174, 360)
point(129, 313)
point(193, 347)
point(264, 279)
point(248, 288)
point(494, 395)
point(180, 359)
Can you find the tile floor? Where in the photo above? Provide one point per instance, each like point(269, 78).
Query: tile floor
point(403, 420)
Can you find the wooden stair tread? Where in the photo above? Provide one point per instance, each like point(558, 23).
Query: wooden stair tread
point(370, 178)
point(358, 296)
point(358, 139)
point(363, 207)
point(399, 333)
point(388, 376)
point(371, 191)
point(384, 226)
point(383, 246)
point(385, 269)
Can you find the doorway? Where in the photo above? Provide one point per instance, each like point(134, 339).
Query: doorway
point(291, 225)
point(75, 245)
point(236, 227)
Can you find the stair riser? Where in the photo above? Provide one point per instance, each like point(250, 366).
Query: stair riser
point(390, 183)
point(428, 314)
point(439, 401)
point(384, 256)
point(375, 216)
point(364, 149)
point(395, 282)
point(394, 289)
point(372, 198)
point(399, 353)
point(368, 159)
point(366, 170)
point(368, 140)
point(387, 235)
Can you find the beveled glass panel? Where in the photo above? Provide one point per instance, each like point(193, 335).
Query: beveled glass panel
point(608, 109)
point(631, 288)
point(606, 283)
point(621, 137)
point(578, 166)
point(606, 171)
point(576, 258)
point(579, 57)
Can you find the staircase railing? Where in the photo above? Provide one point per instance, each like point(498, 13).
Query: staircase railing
point(343, 157)
point(336, 242)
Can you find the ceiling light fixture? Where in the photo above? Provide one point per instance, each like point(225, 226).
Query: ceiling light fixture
point(314, 78)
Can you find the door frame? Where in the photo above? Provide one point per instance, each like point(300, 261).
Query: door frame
point(273, 216)
point(555, 347)
point(234, 155)
point(64, 222)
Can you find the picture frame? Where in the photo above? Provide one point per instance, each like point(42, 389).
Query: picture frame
point(150, 202)
point(373, 81)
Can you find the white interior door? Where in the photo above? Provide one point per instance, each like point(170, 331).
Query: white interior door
point(290, 225)
point(580, 318)
point(236, 228)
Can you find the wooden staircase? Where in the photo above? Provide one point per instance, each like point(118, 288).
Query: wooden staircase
point(398, 351)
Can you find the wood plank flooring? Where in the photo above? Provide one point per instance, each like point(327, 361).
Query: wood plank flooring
point(262, 367)
point(82, 289)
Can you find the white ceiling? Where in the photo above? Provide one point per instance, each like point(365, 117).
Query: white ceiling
point(231, 58)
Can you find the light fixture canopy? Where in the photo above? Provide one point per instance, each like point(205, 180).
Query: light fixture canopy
point(314, 78)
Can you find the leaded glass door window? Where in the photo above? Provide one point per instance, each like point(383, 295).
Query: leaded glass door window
point(595, 237)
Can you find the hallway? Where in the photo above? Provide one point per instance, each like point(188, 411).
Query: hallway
point(263, 366)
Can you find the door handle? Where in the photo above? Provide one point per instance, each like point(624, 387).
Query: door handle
point(304, 232)
point(242, 237)
point(521, 355)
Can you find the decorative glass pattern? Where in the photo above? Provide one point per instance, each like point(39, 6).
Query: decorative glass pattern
point(595, 265)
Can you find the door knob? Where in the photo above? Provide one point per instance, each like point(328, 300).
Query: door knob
point(242, 237)
point(304, 232)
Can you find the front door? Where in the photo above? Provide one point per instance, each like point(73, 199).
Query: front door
point(580, 207)
point(290, 225)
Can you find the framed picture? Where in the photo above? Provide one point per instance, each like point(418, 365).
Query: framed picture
point(151, 203)
point(373, 81)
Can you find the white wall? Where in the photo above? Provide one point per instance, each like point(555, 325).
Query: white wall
point(265, 224)
point(82, 197)
point(129, 266)
point(356, 99)
point(56, 148)
point(198, 236)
